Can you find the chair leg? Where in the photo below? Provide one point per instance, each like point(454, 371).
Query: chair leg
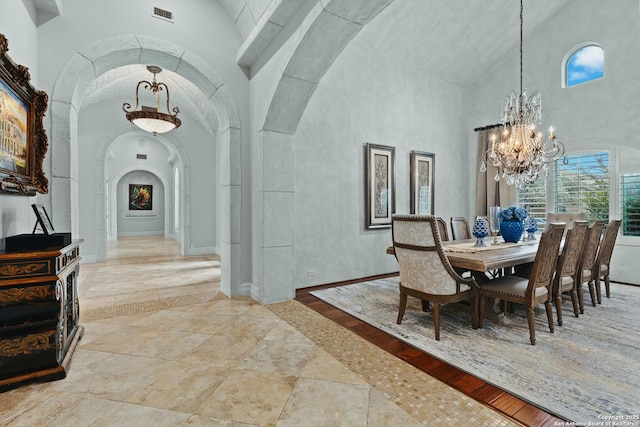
point(474, 312)
point(598, 290)
point(548, 306)
point(574, 301)
point(401, 307)
point(592, 291)
point(481, 302)
point(425, 305)
point(606, 285)
point(531, 318)
point(436, 319)
point(581, 298)
point(559, 308)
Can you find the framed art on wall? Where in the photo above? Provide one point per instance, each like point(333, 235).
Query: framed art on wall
point(421, 183)
point(140, 197)
point(23, 141)
point(380, 196)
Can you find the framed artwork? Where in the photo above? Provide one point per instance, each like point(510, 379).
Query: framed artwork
point(381, 194)
point(421, 183)
point(23, 141)
point(43, 219)
point(140, 197)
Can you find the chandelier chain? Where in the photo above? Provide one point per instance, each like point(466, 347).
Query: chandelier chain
point(521, 38)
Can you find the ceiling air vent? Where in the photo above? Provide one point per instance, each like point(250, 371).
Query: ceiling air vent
point(162, 14)
point(145, 108)
point(141, 156)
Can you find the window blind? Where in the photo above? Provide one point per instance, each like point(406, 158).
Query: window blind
point(630, 197)
point(582, 185)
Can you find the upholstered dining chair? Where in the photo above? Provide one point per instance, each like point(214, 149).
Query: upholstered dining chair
point(601, 267)
point(534, 290)
point(460, 228)
point(589, 254)
point(567, 277)
point(442, 228)
point(425, 271)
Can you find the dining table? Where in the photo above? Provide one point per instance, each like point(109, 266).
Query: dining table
point(464, 255)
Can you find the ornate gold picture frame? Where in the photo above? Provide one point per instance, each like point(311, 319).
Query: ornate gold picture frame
point(23, 140)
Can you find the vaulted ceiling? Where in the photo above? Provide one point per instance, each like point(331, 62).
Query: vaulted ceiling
point(454, 39)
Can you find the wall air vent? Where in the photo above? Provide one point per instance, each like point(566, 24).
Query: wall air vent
point(141, 156)
point(145, 108)
point(162, 14)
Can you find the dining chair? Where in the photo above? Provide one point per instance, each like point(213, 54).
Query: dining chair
point(589, 254)
point(567, 275)
point(534, 290)
point(425, 271)
point(442, 228)
point(603, 260)
point(460, 228)
point(568, 218)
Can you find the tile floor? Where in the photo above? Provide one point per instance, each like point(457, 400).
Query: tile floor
point(163, 347)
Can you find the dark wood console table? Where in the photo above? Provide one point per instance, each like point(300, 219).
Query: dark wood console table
point(39, 314)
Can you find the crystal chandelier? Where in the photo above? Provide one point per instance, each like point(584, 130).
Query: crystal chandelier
point(520, 152)
point(151, 119)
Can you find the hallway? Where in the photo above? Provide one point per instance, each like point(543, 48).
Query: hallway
point(163, 347)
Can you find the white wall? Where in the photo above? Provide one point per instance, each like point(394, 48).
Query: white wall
point(16, 215)
point(365, 99)
point(598, 114)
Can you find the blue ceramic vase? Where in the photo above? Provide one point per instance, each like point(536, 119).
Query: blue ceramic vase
point(511, 230)
point(480, 231)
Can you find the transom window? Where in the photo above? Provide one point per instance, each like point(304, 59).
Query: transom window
point(585, 64)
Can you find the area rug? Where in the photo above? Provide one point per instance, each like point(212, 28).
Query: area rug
point(588, 371)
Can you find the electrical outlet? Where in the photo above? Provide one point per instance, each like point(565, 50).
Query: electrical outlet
point(311, 273)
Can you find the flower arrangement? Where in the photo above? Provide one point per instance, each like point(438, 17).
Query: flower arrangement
point(513, 213)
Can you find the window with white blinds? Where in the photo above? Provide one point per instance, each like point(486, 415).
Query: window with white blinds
point(534, 199)
point(630, 196)
point(582, 185)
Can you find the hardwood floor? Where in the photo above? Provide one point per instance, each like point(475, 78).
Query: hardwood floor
point(496, 398)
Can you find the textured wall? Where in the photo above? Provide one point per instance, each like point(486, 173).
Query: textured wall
point(365, 99)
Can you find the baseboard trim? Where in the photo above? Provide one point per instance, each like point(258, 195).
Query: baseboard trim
point(140, 233)
point(308, 289)
point(204, 251)
point(88, 259)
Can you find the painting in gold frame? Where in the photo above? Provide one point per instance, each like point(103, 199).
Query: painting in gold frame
point(23, 140)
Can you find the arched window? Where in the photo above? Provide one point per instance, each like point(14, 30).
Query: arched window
point(583, 64)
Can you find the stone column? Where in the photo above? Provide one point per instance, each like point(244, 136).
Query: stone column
point(273, 218)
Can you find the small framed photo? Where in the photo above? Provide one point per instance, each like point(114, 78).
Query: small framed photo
point(380, 197)
point(43, 219)
point(421, 183)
